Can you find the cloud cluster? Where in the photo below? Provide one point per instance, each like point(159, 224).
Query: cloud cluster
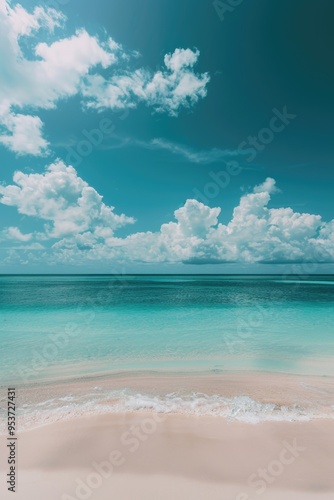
point(255, 233)
point(84, 227)
point(54, 72)
point(166, 91)
point(13, 233)
point(70, 66)
point(69, 205)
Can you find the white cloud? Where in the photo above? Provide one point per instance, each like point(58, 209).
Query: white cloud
point(86, 229)
point(176, 241)
point(25, 134)
point(56, 70)
point(13, 233)
point(63, 199)
point(24, 23)
point(166, 91)
point(255, 233)
point(54, 73)
point(181, 59)
point(69, 66)
point(268, 186)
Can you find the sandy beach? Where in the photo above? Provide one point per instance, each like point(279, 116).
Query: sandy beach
point(147, 455)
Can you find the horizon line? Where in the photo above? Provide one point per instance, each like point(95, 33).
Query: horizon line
point(166, 274)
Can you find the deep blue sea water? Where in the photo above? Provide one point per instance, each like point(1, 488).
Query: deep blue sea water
point(57, 326)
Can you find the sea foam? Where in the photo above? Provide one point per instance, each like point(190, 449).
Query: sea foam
point(239, 408)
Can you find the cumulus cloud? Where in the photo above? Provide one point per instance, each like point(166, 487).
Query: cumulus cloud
point(54, 73)
point(23, 134)
point(68, 204)
point(176, 241)
point(13, 233)
point(268, 186)
point(86, 229)
point(167, 90)
point(69, 66)
point(255, 233)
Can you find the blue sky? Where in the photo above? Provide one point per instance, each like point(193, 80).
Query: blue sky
point(173, 136)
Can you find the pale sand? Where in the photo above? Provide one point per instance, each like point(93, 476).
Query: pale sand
point(177, 456)
point(183, 457)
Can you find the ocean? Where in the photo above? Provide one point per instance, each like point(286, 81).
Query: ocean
point(57, 326)
point(74, 345)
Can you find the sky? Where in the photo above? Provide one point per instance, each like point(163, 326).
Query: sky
point(173, 136)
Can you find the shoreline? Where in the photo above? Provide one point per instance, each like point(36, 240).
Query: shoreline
point(127, 374)
point(251, 397)
point(76, 441)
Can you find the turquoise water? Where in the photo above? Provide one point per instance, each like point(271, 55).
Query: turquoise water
point(58, 326)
